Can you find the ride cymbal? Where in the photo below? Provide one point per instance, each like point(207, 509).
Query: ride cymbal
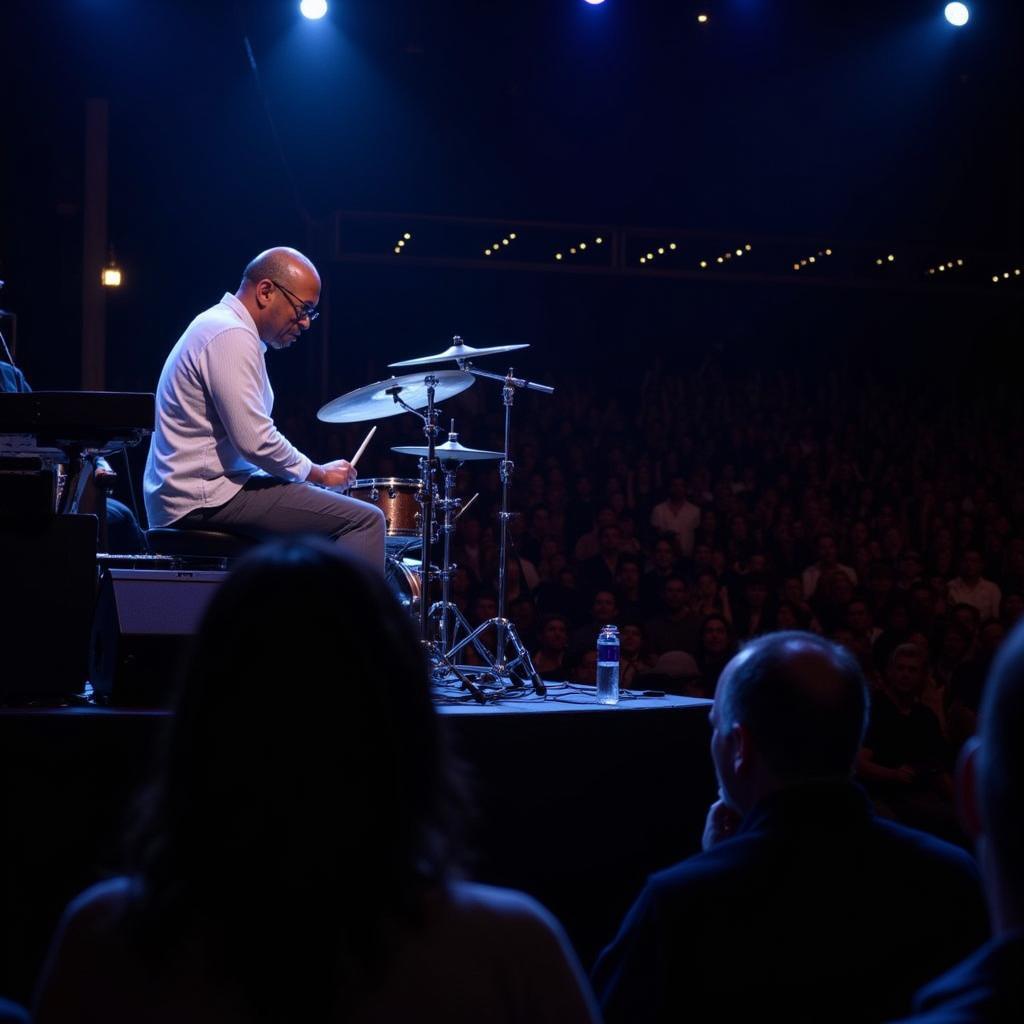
point(377, 401)
point(459, 350)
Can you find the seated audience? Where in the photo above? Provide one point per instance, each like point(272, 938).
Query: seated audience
point(905, 760)
point(804, 906)
point(295, 859)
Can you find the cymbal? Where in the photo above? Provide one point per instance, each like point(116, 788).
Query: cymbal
point(374, 402)
point(450, 451)
point(459, 350)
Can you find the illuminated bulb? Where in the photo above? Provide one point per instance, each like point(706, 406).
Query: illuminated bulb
point(401, 242)
point(1006, 275)
point(407, 235)
point(702, 18)
point(110, 277)
point(643, 259)
point(398, 251)
point(487, 252)
point(1016, 273)
point(512, 234)
point(878, 262)
point(747, 247)
point(810, 259)
point(703, 263)
point(828, 252)
point(504, 241)
point(995, 279)
point(957, 14)
point(720, 260)
point(890, 257)
point(796, 266)
point(942, 267)
point(661, 251)
point(672, 245)
point(558, 255)
point(313, 9)
point(598, 240)
point(959, 263)
point(583, 246)
point(572, 252)
point(650, 255)
point(739, 252)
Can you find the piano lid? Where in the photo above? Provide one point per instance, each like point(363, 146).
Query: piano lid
point(88, 419)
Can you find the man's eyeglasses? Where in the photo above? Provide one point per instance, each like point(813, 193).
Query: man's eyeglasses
point(303, 310)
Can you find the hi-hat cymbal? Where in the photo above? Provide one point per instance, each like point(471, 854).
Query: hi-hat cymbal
point(376, 401)
point(459, 350)
point(450, 451)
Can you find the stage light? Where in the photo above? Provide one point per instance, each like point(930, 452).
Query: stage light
point(957, 14)
point(313, 9)
point(594, 3)
point(110, 275)
point(702, 18)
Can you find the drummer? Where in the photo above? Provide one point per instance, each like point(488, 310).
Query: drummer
point(216, 459)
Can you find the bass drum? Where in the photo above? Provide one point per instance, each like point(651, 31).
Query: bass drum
point(402, 577)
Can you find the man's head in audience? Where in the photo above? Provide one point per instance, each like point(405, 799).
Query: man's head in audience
point(828, 553)
point(664, 557)
point(604, 607)
point(790, 708)
point(990, 784)
point(609, 540)
point(677, 490)
point(971, 565)
point(674, 595)
point(904, 676)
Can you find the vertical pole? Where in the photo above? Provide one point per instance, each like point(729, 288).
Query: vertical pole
point(94, 246)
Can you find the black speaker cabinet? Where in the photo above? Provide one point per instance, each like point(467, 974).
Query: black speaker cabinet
point(144, 620)
point(46, 601)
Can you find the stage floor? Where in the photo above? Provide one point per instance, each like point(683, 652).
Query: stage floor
point(577, 803)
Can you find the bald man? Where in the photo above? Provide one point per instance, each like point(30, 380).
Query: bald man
point(216, 459)
point(804, 906)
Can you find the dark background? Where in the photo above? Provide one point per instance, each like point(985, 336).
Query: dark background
point(871, 125)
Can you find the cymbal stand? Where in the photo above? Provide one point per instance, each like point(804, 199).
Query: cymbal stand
point(519, 669)
point(441, 610)
point(428, 468)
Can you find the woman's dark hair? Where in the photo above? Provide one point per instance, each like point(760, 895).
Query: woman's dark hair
point(306, 800)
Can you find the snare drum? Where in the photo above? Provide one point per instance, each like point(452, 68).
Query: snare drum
point(398, 498)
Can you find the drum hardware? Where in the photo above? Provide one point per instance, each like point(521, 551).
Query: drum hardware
point(429, 463)
point(519, 668)
point(446, 609)
point(458, 350)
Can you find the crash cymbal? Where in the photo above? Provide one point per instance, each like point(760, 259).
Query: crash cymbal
point(450, 451)
point(376, 402)
point(459, 350)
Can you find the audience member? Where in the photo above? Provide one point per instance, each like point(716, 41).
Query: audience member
point(295, 862)
point(988, 987)
point(804, 905)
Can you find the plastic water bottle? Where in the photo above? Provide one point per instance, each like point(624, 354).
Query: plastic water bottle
point(608, 666)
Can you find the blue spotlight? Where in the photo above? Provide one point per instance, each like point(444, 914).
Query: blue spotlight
point(957, 14)
point(313, 9)
point(595, 2)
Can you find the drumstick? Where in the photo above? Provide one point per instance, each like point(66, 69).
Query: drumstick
point(362, 448)
point(468, 503)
